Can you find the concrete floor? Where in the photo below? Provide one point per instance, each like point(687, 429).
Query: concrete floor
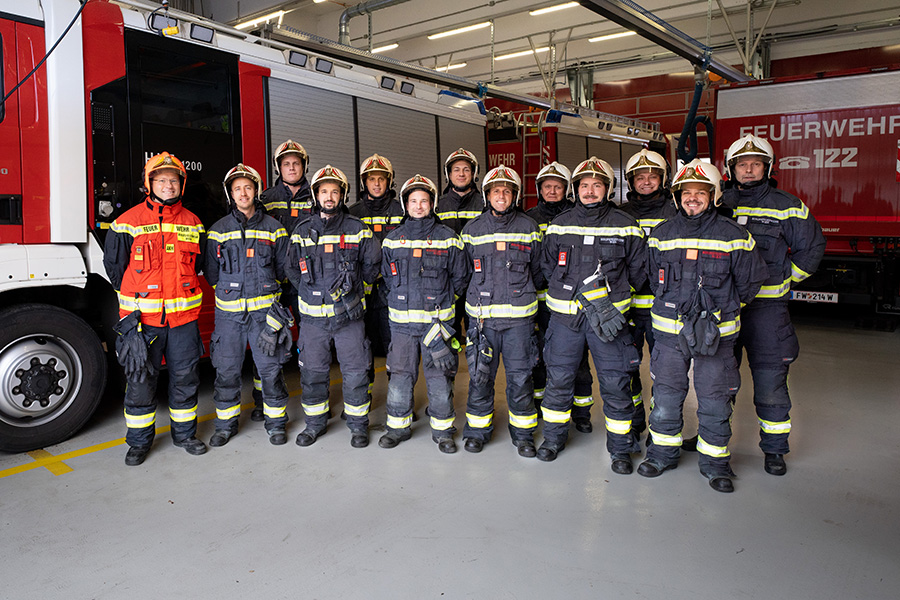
point(251, 520)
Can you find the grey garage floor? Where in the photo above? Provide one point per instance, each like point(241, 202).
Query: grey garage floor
point(250, 520)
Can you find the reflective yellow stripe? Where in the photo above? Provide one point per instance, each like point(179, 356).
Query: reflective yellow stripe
point(140, 421)
point(584, 400)
point(479, 422)
point(555, 229)
point(666, 440)
point(301, 205)
point(775, 427)
point(523, 421)
point(798, 213)
point(271, 236)
point(183, 415)
point(637, 399)
point(542, 295)
point(704, 447)
point(538, 393)
point(315, 310)
point(441, 424)
point(399, 422)
point(651, 223)
point(556, 416)
point(142, 304)
point(223, 414)
point(614, 426)
point(595, 294)
point(500, 311)
point(356, 411)
point(247, 304)
point(570, 307)
point(349, 238)
point(702, 244)
point(183, 304)
point(420, 316)
point(274, 412)
point(378, 220)
point(453, 242)
point(257, 384)
point(672, 326)
point(641, 301)
point(313, 410)
point(186, 233)
point(270, 206)
point(775, 291)
point(459, 214)
point(798, 274)
point(491, 238)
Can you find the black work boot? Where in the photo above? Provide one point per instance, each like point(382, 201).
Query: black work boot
point(136, 455)
point(221, 437)
point(393, 437)
point(774, 464)
point(277, 436)
point(308, 436)
point(359, 439)
point(192, 445)
point(525, 448)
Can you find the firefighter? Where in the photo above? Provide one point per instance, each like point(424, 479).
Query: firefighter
point(704, 267)
point(289, 201)
point(791, 242)
point(378, 208)
point(331, 257)
point(594, 254)
point(424, 269)
point(554, 185)
point(151, 258)
point(649, 201)
point(503, 247)
point(245, 259)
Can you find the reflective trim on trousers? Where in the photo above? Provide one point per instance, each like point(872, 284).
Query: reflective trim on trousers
point(223, 414)
point(775, 427)
point(183, 415)
point(479, 422)
point(523, 421)
point(140, 421)
point(274, 412)
point(556, 416)
point(538, 393)
point(621, 427)
point(584, 401)
point(666, 440)
point(313, 410)
point(704, 447)
point(356, 411)
point(399, 422)
point(257, 383)
point(637, 399)
point(441, 424)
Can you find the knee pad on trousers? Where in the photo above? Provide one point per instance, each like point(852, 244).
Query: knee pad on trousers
point(770, 387)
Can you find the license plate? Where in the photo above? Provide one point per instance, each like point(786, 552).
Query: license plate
point(829, 297)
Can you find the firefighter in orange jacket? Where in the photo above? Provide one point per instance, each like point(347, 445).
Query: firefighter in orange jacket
point(151, 258)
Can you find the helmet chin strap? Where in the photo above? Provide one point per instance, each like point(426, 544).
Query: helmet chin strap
point(168, 202)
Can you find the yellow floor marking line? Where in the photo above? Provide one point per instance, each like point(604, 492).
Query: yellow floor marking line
point(55, 464)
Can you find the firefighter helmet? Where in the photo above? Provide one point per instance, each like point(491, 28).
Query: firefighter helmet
point(647, 159)
point(701, 172)
point(160, 162)
point(334, 175)
point(598, 168)
point(241, 170)
point(502, 175)
point(290, 147)
point(419, 182)
point(379, 164)
point(749, 145)
point(462, 154)
point(558, 171)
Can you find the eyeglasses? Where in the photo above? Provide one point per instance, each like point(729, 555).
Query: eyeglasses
point(166, 181)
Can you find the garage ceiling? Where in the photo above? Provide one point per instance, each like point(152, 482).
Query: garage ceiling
point(563, 37)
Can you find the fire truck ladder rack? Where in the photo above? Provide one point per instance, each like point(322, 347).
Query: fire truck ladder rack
point(530, 129)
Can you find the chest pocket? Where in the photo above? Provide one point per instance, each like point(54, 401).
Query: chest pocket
point(669, 277)
point(715, 271)
point(187, 254)
point(434, 271)
point(772, 245)
point(613, 257)
point(517, 262)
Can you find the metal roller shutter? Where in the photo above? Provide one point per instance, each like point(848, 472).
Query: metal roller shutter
point(456, 135)
point(403, 136)
point(571, 150)
point(320, 120)
point(610, 152)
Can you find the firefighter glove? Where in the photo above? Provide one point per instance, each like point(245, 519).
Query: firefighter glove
point(479, 355)
point(602, 315)
point(443, 348)
point(131, 348)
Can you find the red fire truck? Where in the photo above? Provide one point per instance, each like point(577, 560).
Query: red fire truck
point(837, 146)
point(127, 81)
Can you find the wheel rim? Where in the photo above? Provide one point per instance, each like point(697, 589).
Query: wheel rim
point(40, 376)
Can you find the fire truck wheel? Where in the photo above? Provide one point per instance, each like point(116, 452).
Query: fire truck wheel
point(52, 376)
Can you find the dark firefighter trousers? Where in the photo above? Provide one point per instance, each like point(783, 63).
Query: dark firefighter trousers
point(716, 382)
point(642, 330)
point(182, 348)
point(584, 381)
point(234, 331)
point(614, 361)
point(403, 365)
point(768, 336)
point(354, 356)
point(518, 348)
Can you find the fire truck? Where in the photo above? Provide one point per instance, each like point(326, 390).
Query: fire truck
point(128, 80)
point(837, 145)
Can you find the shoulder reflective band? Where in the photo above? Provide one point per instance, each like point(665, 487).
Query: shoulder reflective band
point(562, 258)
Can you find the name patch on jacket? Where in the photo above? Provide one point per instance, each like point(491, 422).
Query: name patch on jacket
point(563, 257)
point(713, 254)
point(187, 233)
point(477, 262)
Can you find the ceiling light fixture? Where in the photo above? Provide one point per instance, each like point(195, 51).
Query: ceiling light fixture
point(522, 53)
point(451, 67)
point(443, 34)
point(550, 9)
point(384, 48)
point(612, 36)
point(279, 14)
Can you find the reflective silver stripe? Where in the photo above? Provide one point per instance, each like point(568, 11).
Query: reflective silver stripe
point(270, 206)
point(672, 326)
point(501, 311)
point(315, 310)
point(555, 229)
point(274, 412)
point(140, 421)
point(247, 304)
point(420, 316)
point(453, 242)
point(538, 393)
point(570, 307)
point(349, 238)
point(441, 424)
point(798, 274)
point(704, 447)
point(649, 222)
point(666, 440)
point(257, 384)
point(526, 238)
point(399, 422)
point(523, 421)
point(702, 244)
point(313, 410)
point(775, 291)
point(479, 422)
point(637, 399)
point(775, 427)
point(356, 411)
point(231, 412)
point(584, 400)
point(773, 213)
point(614, 426)
point(183, 415)
point(640, 301)
point(556, 416)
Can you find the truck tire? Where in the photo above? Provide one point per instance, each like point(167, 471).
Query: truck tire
point(52, 376)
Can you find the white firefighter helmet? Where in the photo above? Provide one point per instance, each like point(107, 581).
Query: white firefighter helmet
point(419, 182)
point(558, 171)
point(461, 154)
point(290, 147)
point(502, 175)
point(701, 172)
point(334, 175)
point(379, 164)
point(750, 145)
point(241, 170)
point(647, 159)
point(598, 168)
